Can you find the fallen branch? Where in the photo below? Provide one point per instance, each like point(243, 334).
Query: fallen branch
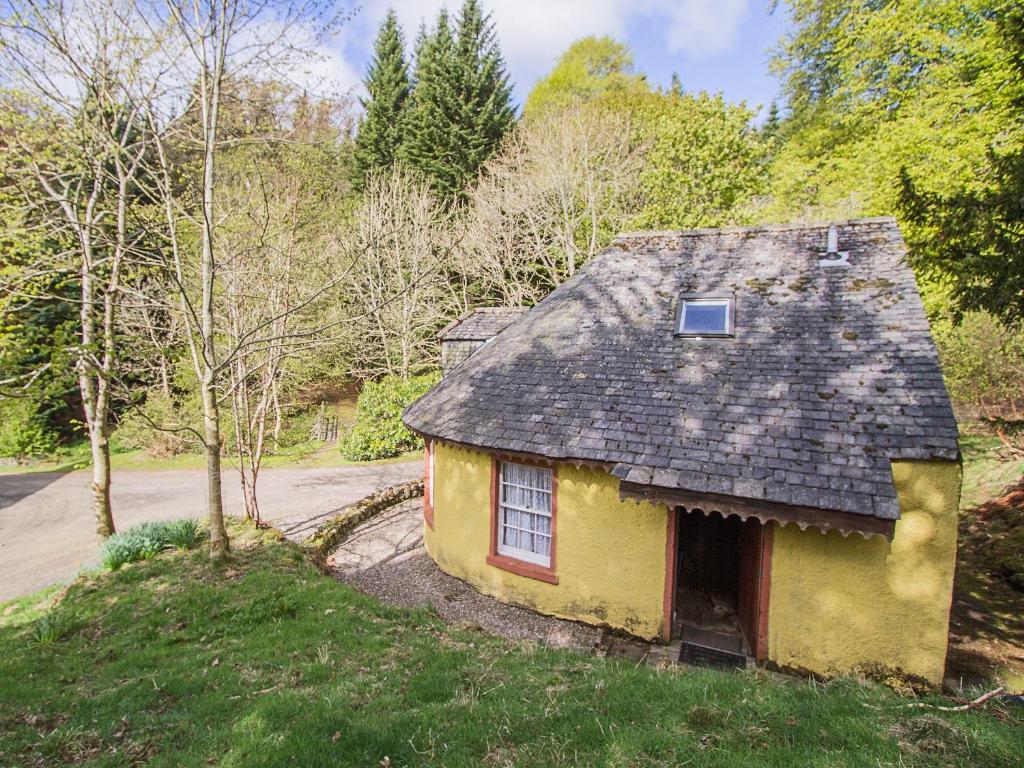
point(961, 708)
point(971, 704)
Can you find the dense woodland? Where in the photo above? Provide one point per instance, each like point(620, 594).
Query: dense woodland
point(194, 249)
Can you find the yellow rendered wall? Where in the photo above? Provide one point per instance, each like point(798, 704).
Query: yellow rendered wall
point(848, 605)
point(610, 554)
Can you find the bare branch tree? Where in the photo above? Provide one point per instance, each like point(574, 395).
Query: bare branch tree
point(552, 198)
point(399, 290)
point(81, 74)
point(223, 41)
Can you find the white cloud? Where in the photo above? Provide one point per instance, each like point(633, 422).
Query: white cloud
point(703, 27)
point(533, 33)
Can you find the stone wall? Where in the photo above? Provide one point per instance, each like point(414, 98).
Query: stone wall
point(454, 353)
point(334, 531)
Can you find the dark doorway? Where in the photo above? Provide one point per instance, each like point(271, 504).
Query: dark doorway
point(718, 587)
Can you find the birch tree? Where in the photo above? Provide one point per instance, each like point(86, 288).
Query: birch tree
point(81, 74)
point(278, 276)
point(223, 41)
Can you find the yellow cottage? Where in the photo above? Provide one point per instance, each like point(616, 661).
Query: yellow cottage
point(735, 440)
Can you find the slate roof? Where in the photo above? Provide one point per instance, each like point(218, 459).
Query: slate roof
point(831, 374)
point(481, 324)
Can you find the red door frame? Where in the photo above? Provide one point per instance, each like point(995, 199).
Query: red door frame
point(764, 569)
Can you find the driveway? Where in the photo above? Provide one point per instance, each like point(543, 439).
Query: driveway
point(47, 533)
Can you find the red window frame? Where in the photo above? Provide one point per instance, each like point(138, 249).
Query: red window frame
point(428, 484)
point(511, 564)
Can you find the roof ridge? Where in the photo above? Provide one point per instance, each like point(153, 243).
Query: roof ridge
point(789, 227)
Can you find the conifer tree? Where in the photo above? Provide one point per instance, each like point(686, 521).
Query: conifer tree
point(461, 102)
point(431, 144)
point(485, 92)
point(388, 87)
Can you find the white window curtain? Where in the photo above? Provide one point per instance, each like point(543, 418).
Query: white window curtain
point(525, 513)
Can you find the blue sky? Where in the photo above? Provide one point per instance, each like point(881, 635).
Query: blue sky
point(715, 45)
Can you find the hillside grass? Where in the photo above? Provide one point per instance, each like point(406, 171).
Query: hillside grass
point(987, 620)
point(263, 661)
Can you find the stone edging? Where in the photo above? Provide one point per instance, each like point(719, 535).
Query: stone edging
point(334, 531)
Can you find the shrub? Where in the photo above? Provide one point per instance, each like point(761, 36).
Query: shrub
point(143, 541)
point(23, 430)
point(118, 549)
point(135, 430)
point(51, 628)
point(379, 432)
point(182, 534)
point(983, 364)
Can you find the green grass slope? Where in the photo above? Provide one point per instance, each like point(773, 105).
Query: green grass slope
point(263, 661)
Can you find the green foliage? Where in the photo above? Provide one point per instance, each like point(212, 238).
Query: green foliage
point(982, 363)
point(155, 426)
point(209, 665)
point(461, 103)
point(23, 430)
point(379, 432)
point(594, 68)
point(704, 165)
point(183, 533)
point(973, 234)
point(39, 320)
point(388, 85)
point(146, 540)
point(916, 101)
point(52, 627)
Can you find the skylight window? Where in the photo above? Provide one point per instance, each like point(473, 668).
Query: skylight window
point(705, 314)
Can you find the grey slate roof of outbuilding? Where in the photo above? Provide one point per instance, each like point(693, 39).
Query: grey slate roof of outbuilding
point(831, 373)
point(481, 324)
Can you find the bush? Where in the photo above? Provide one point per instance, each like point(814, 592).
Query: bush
point(23, 430)
point(52, 627)
point(146, 540)
point(379, 432)
point(182, 534)
point(983, 364)
point(135, 430)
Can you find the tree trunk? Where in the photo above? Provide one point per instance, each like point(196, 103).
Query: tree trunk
point(214, 498)
point(252, 510)
point(100, 485)
point(211, 83)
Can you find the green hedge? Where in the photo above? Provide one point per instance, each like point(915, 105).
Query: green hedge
point(379, 432)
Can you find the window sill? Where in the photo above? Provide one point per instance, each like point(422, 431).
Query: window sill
point(522, 568)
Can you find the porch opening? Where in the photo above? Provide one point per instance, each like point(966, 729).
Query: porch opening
point(719, 582)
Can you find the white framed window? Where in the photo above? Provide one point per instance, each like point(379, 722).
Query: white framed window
point(524, 513)
point(705, 314)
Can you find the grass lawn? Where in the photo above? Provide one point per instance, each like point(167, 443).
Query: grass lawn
point(263, 661)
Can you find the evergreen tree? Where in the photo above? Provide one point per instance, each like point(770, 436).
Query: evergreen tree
point(485, 91)
point(431, 144)
point(461, 102)
point(388, 85)
point(772, 123)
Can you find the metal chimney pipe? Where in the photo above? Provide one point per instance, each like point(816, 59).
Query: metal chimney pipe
point(833, 238)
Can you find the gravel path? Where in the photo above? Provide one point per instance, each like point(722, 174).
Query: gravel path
point(47, 531)
point(385, 558)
